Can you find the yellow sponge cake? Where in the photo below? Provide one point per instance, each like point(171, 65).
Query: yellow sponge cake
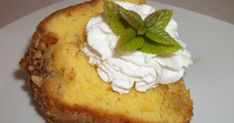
point(67, 89)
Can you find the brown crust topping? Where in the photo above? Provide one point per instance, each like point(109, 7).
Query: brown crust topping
point(55, 110)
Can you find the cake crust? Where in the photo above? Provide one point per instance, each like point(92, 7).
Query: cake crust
point(57, 111)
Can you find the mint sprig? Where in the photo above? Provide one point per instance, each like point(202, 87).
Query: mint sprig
point(160, 36)
point(160, 49)
point(133, 19)
point(112, 18)
point(128, 35)
point(158, 18)
point(146, 35)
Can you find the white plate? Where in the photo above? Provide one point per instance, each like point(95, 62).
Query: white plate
point(211, 80)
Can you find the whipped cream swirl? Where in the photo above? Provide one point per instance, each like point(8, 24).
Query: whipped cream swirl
point(134, 69)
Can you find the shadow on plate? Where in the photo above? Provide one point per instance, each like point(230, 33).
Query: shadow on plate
point(22, 75)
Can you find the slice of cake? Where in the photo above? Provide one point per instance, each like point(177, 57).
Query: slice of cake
point(68, 89)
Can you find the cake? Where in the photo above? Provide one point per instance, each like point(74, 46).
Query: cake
point(67, 89)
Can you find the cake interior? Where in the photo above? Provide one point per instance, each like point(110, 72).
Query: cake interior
point(73, 81)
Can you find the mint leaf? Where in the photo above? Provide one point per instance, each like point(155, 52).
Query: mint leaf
point(132, 18)
point(156, 48)
point(142, 31)
point(158, 18)
point(134, 44)
point(161, 36)
point(112, 18)
point(127, 35)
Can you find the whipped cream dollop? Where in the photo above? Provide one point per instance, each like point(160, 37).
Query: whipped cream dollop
point(133, 69)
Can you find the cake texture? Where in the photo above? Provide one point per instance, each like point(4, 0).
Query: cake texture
point(67, 89)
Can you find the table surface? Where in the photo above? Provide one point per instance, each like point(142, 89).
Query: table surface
point(11, 10)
